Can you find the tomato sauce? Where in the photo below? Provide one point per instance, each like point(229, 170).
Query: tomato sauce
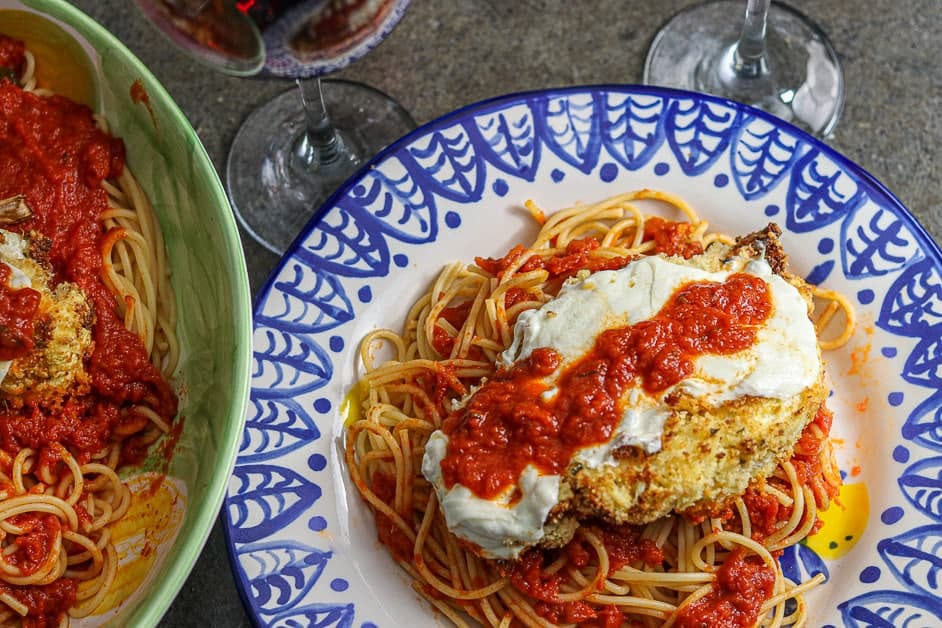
point(52, 152)
point(671, 238)
point(575, 257)
point(741, 586)
point(46, 602)
point(12, 57)
point(18, 308)
point(578, 257)
point(456, 316)
point(384, 486)
point(35, 543)
point(508, 425)
point(624, 546)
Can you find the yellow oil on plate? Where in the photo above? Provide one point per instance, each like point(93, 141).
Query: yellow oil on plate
point(142, 538)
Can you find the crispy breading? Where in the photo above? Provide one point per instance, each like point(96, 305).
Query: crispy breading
point(62, 336)
point(708, 454)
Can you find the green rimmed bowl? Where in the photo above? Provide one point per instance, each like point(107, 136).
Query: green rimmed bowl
point(213, 305)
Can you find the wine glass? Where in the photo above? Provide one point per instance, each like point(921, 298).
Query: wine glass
point(777, 59)
point(214, 32)
point(291, 153)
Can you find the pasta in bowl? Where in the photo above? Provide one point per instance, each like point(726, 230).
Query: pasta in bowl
point(103, 496)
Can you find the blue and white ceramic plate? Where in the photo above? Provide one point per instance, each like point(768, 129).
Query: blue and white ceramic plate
point(303, 542)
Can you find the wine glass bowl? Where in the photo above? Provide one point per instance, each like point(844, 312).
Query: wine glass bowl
point(785, 65)
point(283, 165)
point(292, 152)
point(316, 37)
point(214, 32)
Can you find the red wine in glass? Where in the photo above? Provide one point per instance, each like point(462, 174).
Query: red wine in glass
point(291, 153)
point(214, 32)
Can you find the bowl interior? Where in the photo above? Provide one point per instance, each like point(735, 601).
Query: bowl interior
point(211, 287)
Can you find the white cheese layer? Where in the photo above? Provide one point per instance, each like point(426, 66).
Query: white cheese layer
point(13, 251)
point(499, 529)
point(782, 362)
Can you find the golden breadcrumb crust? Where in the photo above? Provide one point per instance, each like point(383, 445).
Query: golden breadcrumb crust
point(55, 368)
point(708, 454)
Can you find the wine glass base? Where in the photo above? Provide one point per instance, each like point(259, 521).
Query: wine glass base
point(805, 85)
point(273, 193)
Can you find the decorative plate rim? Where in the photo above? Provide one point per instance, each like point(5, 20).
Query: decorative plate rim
point(667, 92)
point(923, 242)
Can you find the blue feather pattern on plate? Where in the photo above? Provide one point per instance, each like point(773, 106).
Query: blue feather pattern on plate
point(286, 535)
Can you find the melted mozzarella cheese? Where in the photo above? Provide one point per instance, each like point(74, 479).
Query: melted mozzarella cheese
point(782, 362)
point(13, 250)
point(499, 529)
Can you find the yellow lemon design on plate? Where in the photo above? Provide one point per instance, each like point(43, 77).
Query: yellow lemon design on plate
point(844, 522)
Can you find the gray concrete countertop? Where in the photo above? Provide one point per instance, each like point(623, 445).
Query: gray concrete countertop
point(447, 53)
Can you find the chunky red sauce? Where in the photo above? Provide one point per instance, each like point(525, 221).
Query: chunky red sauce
point(741, 586)
point(576, 256)
point(35, 543)
point(46, 602)
point(12, 57)
point(806, 460)
point(623, 545)
point(507, 426)
point(671, 238)
point(456, 316)
point(18, 308)
point(52, 152)
point(384, 485)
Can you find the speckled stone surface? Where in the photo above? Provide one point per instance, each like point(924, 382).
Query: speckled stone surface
point(449, 53)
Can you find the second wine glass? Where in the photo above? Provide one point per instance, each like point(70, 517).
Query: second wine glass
point(774, 58)
point(291, 154)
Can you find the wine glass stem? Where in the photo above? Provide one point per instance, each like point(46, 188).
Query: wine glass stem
point(320, 144)
point(749, 58)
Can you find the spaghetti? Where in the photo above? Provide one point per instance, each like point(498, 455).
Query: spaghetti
point(92, 395)
point(706, 566)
